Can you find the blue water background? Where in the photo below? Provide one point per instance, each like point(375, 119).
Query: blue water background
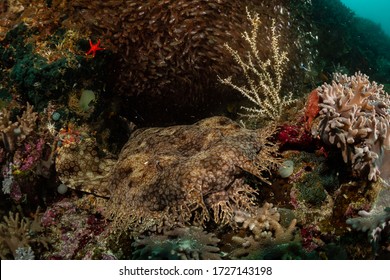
point(376, 10)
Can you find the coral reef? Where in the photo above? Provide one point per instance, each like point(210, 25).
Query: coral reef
point(14, 133)
point(174, 175)
point(378, 218)
point(17, 235)
point(262, 229)
point(183, 186)
point(27, 152)
point(295, 137)
point(172, 51)
point(76, 231)
point(263, 77)
point(42, 69)
point(189, 243)
point(313, 178)
point(354, 117)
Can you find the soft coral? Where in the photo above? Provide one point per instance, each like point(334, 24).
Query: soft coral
point(312, 108)
point(294, 137)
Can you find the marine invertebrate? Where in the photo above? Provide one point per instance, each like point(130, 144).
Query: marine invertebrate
point(354, 117)
point(286, 168)
point(176, 175)
point(186, 243)
point(378, 218)
point(312, 109)
point(264, 77)
point(18, 234)
point(12, 133)
point(25, 148)
point(94, 48)
point(262, 229)
point(295, 137)
point(76, 233)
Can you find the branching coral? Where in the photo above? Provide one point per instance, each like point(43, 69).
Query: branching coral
point(262, 229)
point(264, 77)
point(27, 153)
point(17, 235)
point(13, 133)
point(355, 117)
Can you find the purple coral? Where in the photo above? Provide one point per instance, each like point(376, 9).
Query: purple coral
point(73, 229)
point(29, 156)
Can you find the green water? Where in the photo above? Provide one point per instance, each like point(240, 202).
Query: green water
point(376, 10)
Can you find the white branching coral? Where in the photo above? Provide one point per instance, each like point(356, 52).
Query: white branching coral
point(354, 116)
point(263, 77)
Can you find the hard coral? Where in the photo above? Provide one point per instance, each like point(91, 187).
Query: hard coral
point(180, 174)
point(262, 229)
point(18, 234)
point(13, 133)
point(27, 153)
point(355, 117)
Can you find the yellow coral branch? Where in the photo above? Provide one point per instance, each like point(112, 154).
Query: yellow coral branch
point(263, 77)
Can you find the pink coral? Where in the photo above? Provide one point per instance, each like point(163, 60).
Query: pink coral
point(28, 157)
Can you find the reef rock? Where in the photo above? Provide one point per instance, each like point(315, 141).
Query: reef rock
point(164, 177)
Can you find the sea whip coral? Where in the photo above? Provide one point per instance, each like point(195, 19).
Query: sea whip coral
point(355, 117)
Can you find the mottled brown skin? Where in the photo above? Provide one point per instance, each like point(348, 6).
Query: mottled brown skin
point(185, 174)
